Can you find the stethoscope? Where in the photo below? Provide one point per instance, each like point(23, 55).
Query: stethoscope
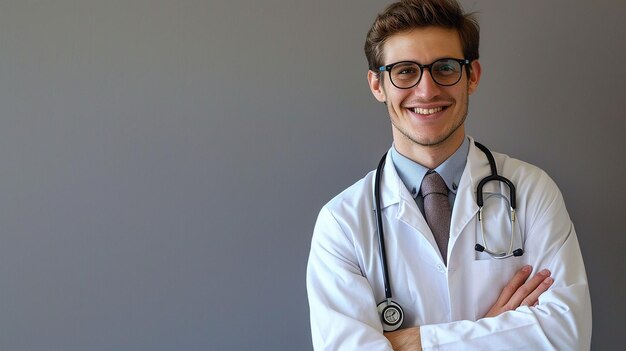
point(391, 313)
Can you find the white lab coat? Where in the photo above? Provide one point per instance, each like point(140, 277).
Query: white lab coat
point(344, 279)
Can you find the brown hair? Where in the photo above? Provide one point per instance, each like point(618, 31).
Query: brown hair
point(408, 14)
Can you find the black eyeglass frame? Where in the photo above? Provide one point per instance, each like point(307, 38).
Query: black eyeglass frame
point(462, 62)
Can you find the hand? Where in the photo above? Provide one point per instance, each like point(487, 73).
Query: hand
point(519, 292)
point(408, 339)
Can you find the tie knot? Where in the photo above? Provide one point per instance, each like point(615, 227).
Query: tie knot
point(433, 184)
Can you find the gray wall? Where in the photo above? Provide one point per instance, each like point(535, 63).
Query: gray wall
point(162, 162)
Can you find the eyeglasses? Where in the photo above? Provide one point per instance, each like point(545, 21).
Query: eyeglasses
point(407, 74)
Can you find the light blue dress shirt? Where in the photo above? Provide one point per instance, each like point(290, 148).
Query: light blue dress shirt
point(412, 173)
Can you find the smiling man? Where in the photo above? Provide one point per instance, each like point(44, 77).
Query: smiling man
point(428, 122)
point(464, 229)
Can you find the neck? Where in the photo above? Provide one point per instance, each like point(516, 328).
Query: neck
point(430, 156)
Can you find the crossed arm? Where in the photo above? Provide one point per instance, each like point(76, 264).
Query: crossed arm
point(520, 291)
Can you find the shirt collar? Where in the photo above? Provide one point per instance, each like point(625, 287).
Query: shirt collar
point(412, 173)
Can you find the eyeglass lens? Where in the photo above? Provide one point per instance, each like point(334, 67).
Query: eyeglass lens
point(443, 72)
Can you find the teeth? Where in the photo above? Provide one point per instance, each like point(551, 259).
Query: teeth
point(427, 111)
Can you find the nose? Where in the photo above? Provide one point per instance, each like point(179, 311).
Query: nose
point(427, 89)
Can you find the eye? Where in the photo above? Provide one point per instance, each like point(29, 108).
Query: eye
point(406, 69)
point(446, 67)
point(405, 74)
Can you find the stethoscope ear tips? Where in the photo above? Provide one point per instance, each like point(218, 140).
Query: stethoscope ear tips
point(516, 253)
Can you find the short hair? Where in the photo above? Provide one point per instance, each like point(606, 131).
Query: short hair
point(405, 15)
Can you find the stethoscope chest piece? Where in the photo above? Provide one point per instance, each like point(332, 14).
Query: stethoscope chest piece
point(391, 315)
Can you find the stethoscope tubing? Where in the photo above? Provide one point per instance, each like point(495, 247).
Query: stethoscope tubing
point(479, 200)
point(379, 222)
point(494, 176)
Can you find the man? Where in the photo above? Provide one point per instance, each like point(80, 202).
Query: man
point(423, 64)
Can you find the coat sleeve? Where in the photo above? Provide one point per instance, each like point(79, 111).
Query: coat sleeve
point(562, 319)
point(342, 306)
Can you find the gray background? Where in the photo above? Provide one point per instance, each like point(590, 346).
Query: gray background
point(162, 162)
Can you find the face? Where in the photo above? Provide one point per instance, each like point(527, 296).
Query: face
point(428, 114)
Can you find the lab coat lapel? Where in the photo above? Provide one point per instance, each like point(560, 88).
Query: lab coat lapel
point(465, 207)
point(393, 191)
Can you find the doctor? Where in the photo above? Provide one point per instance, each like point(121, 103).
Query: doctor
point(423, 64)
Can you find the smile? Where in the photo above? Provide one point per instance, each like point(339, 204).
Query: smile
point(427, 111)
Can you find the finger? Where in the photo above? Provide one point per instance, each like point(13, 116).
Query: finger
point(513, 285)
point(527, 288)
point(533, 298)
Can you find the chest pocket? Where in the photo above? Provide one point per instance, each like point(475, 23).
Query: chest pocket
point(489, 278)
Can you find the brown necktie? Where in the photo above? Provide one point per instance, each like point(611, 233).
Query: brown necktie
point(437, 210)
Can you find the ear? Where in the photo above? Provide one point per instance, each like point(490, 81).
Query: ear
point(376, 86)
point(474, 77)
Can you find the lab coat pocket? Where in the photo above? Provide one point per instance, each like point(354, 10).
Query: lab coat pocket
point(490, 277)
